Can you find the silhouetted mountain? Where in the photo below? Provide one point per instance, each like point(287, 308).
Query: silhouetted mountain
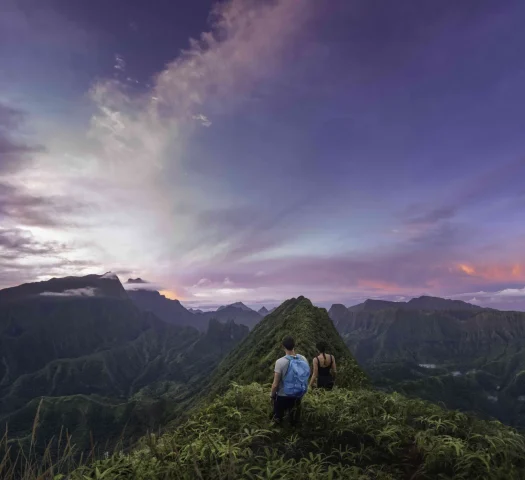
point(195, 310)
point(241, 316)
point(136, 280)
point(239, 305)
point(263, 311)
point(373, 306)
point(420, 303)
point(440, 304)
point(170, 311)
point(107, 285)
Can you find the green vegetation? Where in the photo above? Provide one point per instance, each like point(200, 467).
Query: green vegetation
point(254, 358)
point(104, 370)
point(352, 432)
point(460, 355)
point(344, 434)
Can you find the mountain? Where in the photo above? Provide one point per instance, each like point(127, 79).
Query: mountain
point(195, 310)
point(443, 350)
point(241, 316)
point(420, 303)
point(350, 432)
point(96, 362)
point(170, 311)
point(254, 358)
point(239, 305)
point(263, 311)
point(136, 281)
point(107, 285)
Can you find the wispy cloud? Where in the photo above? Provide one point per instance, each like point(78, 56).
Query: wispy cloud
point(75, 292)
point(15, 150)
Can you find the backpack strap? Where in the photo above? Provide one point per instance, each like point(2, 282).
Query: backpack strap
point(289, 358)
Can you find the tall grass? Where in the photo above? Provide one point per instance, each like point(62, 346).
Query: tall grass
point(26, 459)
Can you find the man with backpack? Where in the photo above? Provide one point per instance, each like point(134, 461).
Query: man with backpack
point(290, 383)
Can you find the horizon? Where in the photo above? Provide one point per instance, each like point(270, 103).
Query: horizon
point(142, 285)
point(248, 150)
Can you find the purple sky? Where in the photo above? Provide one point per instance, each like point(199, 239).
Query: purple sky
point(258, 150)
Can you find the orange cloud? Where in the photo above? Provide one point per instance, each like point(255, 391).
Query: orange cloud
point(171, 294)
point(467, 269)
point(379, 285)
point(494, 272)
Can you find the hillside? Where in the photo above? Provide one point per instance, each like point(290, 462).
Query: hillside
point(352, 432)
point(97, 361)
point(253, 359)
point(442, 350)
point(168, 310)
point(237, 312)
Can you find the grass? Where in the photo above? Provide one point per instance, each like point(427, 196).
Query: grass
point(344, 434)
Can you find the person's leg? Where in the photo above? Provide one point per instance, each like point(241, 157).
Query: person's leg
point(279, 407)
point(295, 414)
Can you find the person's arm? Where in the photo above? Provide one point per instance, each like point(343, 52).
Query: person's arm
point(275, 384)
point(333, 370)
point(314, 373)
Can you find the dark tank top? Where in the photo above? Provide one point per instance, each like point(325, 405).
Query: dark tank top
point(324, 378)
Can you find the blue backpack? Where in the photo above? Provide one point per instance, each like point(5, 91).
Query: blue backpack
point(295, 382)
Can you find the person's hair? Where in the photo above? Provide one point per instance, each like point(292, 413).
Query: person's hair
point(288, 343)
point(321, 347)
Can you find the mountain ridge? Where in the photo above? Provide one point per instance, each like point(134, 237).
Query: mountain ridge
point(253, 359)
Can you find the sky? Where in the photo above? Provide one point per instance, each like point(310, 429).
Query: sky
point(259, 150)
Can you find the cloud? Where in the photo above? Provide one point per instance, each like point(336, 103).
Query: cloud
point(15, 152)
point(16, 242)
point(203, 119)
point(120, 63)
point(25, 208)
point(139, 284)
point(495, 183)
point(505, 299)
point(247, 42)
point(75, 292)
point(434, 216)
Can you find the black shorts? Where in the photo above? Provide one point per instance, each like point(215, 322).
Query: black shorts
point(325, 382)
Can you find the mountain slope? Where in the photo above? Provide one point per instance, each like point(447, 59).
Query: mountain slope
point(253, 359)
point(170, 311)
point(345, 433)
point(241, 316)
point(443, 350)
point(97, 356)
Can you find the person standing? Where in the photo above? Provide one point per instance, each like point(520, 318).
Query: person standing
point(324, 368)
point(290, 383)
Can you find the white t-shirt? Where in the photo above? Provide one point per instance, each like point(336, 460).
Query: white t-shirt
point(281, 366)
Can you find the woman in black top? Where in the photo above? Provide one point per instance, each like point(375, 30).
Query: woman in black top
point(324, 368)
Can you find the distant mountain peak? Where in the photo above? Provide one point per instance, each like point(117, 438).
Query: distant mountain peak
point(136, 280)
point(239, 305)
point(107, 285)
point(110, 276)
point(426, 302)
point(263, 311)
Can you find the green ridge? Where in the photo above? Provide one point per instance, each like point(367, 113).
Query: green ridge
point(254, 358)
